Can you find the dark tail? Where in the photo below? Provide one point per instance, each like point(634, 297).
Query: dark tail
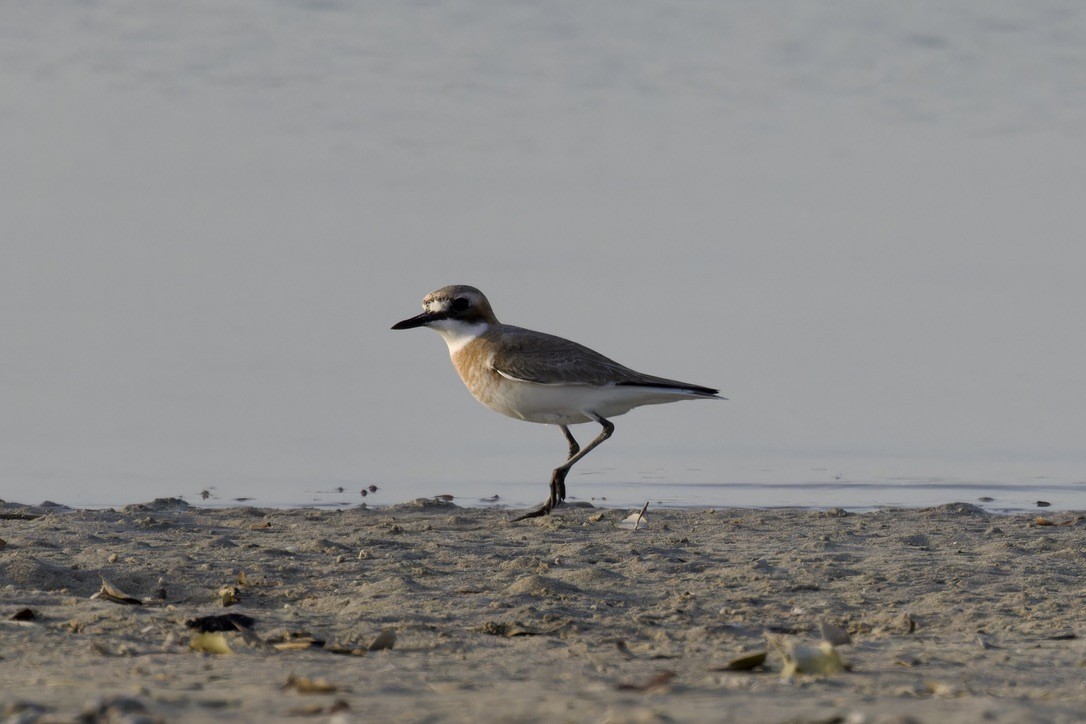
point(675, 385)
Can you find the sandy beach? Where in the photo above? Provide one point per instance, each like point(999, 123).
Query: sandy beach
point(431, 612)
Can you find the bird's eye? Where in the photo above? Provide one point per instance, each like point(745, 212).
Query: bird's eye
point(460, 304)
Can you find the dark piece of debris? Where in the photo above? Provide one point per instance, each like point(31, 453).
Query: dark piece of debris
point(223, 622)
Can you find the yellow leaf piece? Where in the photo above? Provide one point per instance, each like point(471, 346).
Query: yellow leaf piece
point(210, 643)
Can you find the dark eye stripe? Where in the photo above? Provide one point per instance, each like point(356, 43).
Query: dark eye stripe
point(460, 304)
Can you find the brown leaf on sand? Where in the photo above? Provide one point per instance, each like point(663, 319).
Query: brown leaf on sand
point(224, 622)
point(747, 662)
point(306, 685)
point(509, 630)
point(658, 681)
point(110, 592)
point(1042, 521)
point(260, 525)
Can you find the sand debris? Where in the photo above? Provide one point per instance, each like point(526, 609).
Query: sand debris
point(222, 622)
point(385, 640)
point(110, 592)
point(635, 521)
point(25, 615)
point(746, 662)
point(307, 685)
point(821, 659)
point(210, 643)
point(336, 707)
point(833, 634)
point(229, 595)
point(660, 681)
point(510, 630)
point(478, 609)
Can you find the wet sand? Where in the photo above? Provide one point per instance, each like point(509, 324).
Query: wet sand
point(953, 615)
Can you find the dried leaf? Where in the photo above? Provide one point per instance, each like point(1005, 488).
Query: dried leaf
point(1042, 521)
point(223, 622)
point(746, 662)
point(243, 580)
point(210, 643)
point(344, 649)
point(110, 592)
point(301, 645)
point(306, 685)
point(509, 630)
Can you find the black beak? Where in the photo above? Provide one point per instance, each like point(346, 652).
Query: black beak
point(420, 320)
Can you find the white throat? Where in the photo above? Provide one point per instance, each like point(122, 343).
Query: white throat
point(457, 332)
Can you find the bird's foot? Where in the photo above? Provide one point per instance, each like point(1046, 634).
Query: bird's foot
point(544, 510)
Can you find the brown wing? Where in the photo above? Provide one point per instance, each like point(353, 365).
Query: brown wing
point(548, 360)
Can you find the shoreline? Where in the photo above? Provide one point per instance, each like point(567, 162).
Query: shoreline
point(951, 613)
point(1038, 503)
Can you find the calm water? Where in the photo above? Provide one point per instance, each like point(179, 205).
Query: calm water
point(1038, 496)
point(862, 221)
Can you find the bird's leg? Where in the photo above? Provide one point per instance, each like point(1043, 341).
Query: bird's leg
point(558, 477)
point(574, 448)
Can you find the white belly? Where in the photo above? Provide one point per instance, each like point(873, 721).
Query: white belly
point(572, 404)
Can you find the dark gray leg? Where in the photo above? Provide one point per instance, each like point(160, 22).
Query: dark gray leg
point(558, 477)
point(574, 448)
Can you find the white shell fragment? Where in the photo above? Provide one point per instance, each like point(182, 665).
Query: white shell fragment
point(819, 660)
point(636, 521)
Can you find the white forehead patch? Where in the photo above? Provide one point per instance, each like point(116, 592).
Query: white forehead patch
point(436, 305)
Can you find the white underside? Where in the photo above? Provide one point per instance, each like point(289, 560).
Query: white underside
point(573, 404)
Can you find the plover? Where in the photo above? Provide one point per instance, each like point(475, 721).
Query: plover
point(540, 377)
